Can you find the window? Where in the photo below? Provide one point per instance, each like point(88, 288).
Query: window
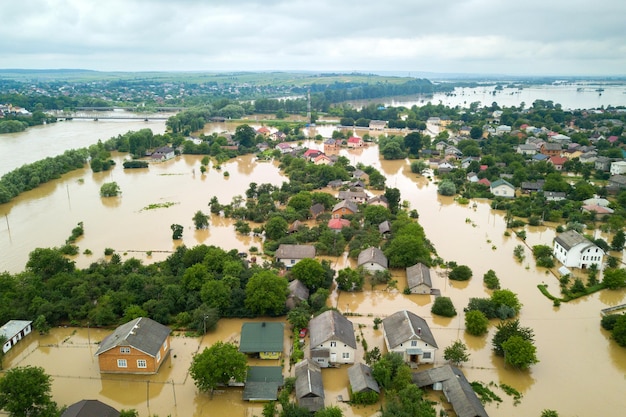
point(124, 350)
point(345, 355)
point(293, 261)
point(426, 355)
point(413, 343)
point(165, 345)
point(333, 344)
point(158, 356)
point(121, 363)
point(141, 363)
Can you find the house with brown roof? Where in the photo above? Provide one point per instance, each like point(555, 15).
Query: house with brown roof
point(332, 339)
point(418, 279)
point(372, 259)
point(409, 335)
point(290, 255)
point(317, 209)
point(322, 159)
point(137, 347)
point(551, 149)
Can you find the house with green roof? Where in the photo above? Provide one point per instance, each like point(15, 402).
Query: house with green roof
point(502, 188)
point(262, 339)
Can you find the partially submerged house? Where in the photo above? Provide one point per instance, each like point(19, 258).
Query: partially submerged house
point(298, 292)
point(309, 385)
point(263, 383)
point(502, 188)
point(409, 335)
point(361, 379)
point(90, 408)
point(14, 331)
point(372, 259)
point(418, 279)
point(163, 153)
point(290, 255)
point(574, 250)
point(137, 347)
point(332, 339)
point(262, 339)
point(455, 387)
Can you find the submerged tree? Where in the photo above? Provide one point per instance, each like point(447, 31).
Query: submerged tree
point(218, 365)
point(177, 231)
point(456, 353)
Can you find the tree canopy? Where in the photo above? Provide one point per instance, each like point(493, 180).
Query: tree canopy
point(217, 365)
point(25, 392)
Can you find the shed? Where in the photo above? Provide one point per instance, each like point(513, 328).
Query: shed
point(361, 379)
point(262, 383)
point(309, 385)
point(418, 279)
point(298, 292)
point(264, 339)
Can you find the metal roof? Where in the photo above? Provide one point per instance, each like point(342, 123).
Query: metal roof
point(142, 333)
point(309, 385)
point(262, 337)
point(13, 327)
point(374, 255)
point(403, 326)
point(361, 379)
point(331, 325)
point(90, 408)
point(418, 274)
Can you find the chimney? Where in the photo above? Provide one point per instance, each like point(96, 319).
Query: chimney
point(419, 331)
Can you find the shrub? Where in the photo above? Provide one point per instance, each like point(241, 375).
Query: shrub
point(491, 280)
point(608, 321)
point(443, 307)
point(476, 323)
point(460, 273)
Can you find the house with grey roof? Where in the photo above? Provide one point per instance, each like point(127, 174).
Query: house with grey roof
point(332, 339)
point(309, 385)
point(163, 153)
point(409, 335)
point(456, 388)
point(384, 228)
point(290, 255)
point(317, 209)
point(137, 347)
point(14, 331)
point(372, 259)
point(574, 250)
point(262, 383)
point(353, 196)
point(262, 339)
point(418, 279)
point(361, 379)
point(90, 408)
point(344, 208)
point(298, 292)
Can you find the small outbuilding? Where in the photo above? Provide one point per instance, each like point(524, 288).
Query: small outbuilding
point(361, 379)
point(418, 279)
point(14, 331)
point(262, 383)
point(309, 385)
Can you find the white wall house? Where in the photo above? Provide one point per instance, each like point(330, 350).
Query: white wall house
point(502, 188)
point(14, 331)
point(574, 250)
point(618, 168)
point(409, 335)
point(332, 339)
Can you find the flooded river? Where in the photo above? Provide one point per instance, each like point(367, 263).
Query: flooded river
point(581, 371)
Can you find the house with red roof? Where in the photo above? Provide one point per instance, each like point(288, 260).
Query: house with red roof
point(612, 139)
point(311, 154)
point(485, 181)
point(322, 159)
point(355, 142)
point(263, 131)
point(338, 224)
point(558, 162)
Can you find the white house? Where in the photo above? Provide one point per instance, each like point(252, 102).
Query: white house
point(618, 168)
point(502, 188)
point(14, 331)
point(332, 339)
point(290, 255)
point(372, 259)
point(574, 250)
point(409, 335)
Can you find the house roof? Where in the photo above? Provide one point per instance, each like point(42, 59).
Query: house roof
point(571, 238)
point(285, 251)
point(384, 227)
point(345, 195)
point(13, 327)
point(262, 337)
point(403, 325)
point(338, 224)
point(354, 139)
point(361, 378)
point(457, 389)
point(418, 274)
point(142, 333)
point(597, 209)
point(346, 204)
point(558, 160)
point(317, 209)
point(374, 255)
point(262, 383)
point(331, 325)
point(500, 182)
point(309, 385)
point(298, 289)
point(90, 408)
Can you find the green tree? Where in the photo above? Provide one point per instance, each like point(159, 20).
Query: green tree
point(310, 272)
point(25, 392)
point(618, 241)
point(330, 411)
point(393, 199)
point(245, 135)
point(614, 278)
point(476, 132)
point(456, 353)
point(491, 280)
point(507, 298)
point(48, 262)
point(549, 413)
point(476, 323)
point(460, 273)
point(109, 189)
point(200, 220)
point(266, 293)
point(177, 231)
point(217, 366)
point(349, 279)
point(406, 250)
point(519, 352)
point(413, 142)
point(443, 307)
point(276, 228)
point(619, 330)
point(508, 329)
point(446, 187)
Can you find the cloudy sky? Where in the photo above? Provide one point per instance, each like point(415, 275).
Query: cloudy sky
point(530, 37)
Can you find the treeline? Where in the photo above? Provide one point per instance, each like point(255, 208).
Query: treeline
point(40, 102)
point(18, 123)
point(32, 175)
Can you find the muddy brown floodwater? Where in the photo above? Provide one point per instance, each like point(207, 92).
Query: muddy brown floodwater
point(581, 371)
